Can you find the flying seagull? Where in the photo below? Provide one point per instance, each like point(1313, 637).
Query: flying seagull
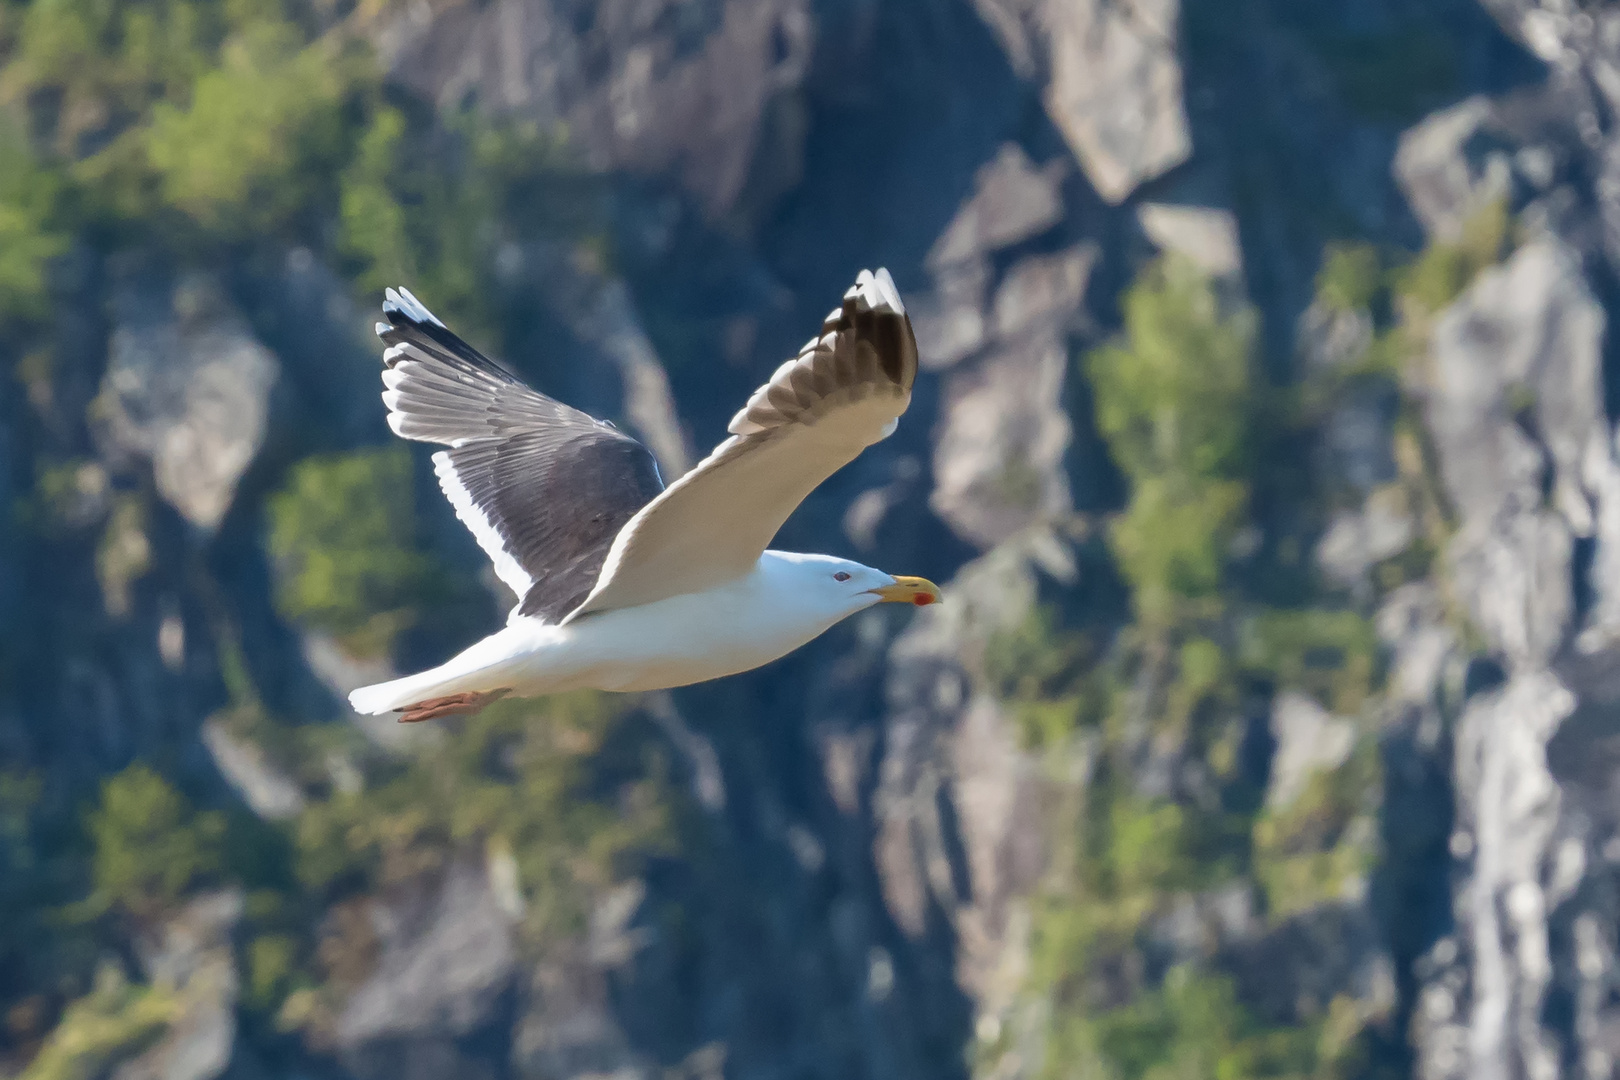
point(625, 584)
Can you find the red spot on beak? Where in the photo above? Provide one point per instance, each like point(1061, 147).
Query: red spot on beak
point(922, 599)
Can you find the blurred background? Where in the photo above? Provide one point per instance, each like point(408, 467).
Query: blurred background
point(1264, 448)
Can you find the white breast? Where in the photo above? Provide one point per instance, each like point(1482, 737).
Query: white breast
point(681, 640)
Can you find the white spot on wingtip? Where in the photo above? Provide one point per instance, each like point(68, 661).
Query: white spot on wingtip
point(890, 295)
point(413, 308)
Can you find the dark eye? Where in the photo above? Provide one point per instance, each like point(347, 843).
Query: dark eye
point(841, 576)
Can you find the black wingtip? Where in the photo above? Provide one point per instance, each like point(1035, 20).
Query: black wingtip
point(400, 308)
point(408, 319)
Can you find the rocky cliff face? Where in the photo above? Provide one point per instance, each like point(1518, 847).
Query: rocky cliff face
point(1343, 804)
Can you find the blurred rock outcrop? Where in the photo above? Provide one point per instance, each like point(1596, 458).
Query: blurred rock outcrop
point(190, 956)
point(187, 389)
point(1113, 81)
point(683, 89)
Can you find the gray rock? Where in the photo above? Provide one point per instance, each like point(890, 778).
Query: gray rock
point(569, 1028)
point(1330, 338)
point(1012, 201)
point(1112, 77)
point(187, 389)
point(1412, 623)
point(341, 674)
point(447, 955)
point(1442, 183)
point(1357, 540)
point(191, 955)
point(267, 791)
point(661, 87)
point(958, 807)
point(1206, 236)
point(1309, 740)
point(1003, 429)
point(1041, 291)
point(708, 782)
point(1294, 970)
point(1514, 406)
point(1357, 447)
point(1483, 1009)
point(598, 310)
point(998, 456)
point(951, 322)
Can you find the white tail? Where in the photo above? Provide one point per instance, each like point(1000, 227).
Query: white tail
point(396, 694)
point(484, 666)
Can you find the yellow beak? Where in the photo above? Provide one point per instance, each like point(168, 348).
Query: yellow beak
point(909, 590)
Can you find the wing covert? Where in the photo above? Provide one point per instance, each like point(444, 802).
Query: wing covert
point(844, 391)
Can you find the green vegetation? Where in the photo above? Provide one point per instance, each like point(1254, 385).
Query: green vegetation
point(1171, 401)
point(562, 788)
point(209, 134)
point(341, 536)
point(1178, 403)
point(1350, 278)
point(1173, 694)
point(28, 238)
point(1331, 655)
point(526, 775)
point(1193, 1026)
point(258, 132)
point(1319, 848)
point(124, 553)
point(442, 228)
point(194, 126)
point(1445, 268)
point(113, 1023)
point(150, 845)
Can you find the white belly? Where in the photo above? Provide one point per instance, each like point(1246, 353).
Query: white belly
point(674, 642)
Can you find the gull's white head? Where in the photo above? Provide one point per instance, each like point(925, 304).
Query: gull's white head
point(845, 587)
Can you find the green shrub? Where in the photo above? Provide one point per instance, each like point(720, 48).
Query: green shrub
point(523, 774)
point(150, 846)
point(1313, 850)
point(1172, 401)
point(1332, 655)
point(1172, 543)
point(341, 535)
point(257, 134)
point(113, 1023)
point(1445, 268)
point(1350, 277)
point(442, 228)
point(29, 238)
point(108, 62)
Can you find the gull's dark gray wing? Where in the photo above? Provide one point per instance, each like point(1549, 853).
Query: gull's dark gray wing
point(544, 487)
